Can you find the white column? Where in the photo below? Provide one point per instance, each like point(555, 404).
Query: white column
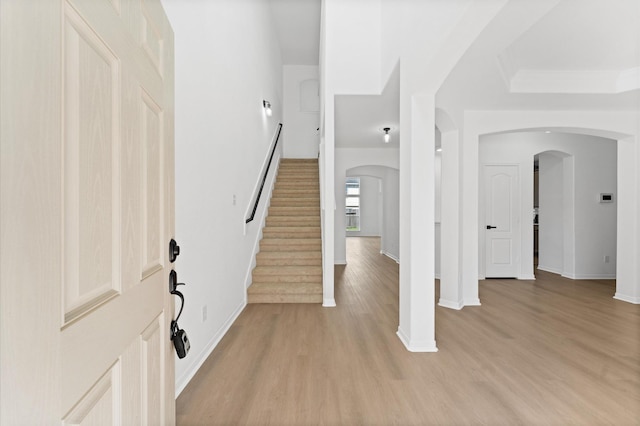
point(469, 169)
point(451, 295)
point(628, 238)
point(328, 214)
point(417, 233)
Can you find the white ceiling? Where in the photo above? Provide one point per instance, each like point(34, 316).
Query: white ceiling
point(551, 54)
point(297, 24)
point(580, 54)
point(581, 35)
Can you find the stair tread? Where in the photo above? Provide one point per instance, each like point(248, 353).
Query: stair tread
point(290, 244)
point(301, 195)
point(289, 257)
point(302, 184)
point(275, 221)
point(295, 218)
point(300, 208)
point(298, 254)
point(286, 287)
point(288, 270)
point(294, 202)
point(275, 240)
point(293, 228)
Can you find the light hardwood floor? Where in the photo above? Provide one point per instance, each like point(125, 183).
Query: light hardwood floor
point(550, 351)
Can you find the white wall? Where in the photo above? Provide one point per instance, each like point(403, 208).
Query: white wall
point(299, 135)
point(438, 205)
point(370, 207)
point(594, 224)
point(227, 61)
point(390, 242)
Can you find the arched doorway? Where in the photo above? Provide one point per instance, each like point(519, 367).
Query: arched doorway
point(576, 169)
point(620, 127)
point(379, 191)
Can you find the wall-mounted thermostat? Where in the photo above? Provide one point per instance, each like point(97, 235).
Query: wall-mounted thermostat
point(606, 198)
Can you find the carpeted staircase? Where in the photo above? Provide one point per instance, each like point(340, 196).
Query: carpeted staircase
point(289, 264)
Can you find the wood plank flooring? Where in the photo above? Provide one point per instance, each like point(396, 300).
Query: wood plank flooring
point(549, 352)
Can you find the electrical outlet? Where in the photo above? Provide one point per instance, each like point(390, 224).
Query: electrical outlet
point(606, 259)
point(204, 313)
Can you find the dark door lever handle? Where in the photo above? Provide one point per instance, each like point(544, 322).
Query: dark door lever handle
point(491, 227)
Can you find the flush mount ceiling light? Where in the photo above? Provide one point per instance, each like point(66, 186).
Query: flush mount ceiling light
point(267, 107)
point(387, 136)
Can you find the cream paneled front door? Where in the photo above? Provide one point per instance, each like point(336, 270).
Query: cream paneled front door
point(87, 212)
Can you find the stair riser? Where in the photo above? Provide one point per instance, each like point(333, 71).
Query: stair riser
point(298, 169)
point(305, 173)
point(283, 247)
point(287, 288)
point(291, 255)
point(284, 186)
point(298, 176)
point(294, 211)
point(291, 174)
point(297, 298)
point(294, 202)
point(289, 262)
point(302, 279)
point(289, 234)
point(292, 221)
point(296, 193)
point(290, 162)
point(297, 183)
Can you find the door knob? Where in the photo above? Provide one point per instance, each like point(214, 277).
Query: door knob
point(491, 227)
point(174, 250)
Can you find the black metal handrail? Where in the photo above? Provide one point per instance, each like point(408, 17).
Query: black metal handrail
point(264, 176)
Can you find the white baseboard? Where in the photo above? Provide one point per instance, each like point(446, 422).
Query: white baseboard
point(329, 303)
point(184, 379)
point(527, 277)
point(248, 278)
point(416, 346)
point(590, 276)
point(390, 256)
point(630, 299)
point(550, 269)
point(450, 304)
point(578, 276)
point(472, 302)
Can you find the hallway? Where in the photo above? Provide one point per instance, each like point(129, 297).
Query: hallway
point(550, 351)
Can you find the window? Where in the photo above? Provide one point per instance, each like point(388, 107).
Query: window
point(352, 203)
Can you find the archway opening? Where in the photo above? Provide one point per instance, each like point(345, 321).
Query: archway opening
point(378, 213)
point(576, 231)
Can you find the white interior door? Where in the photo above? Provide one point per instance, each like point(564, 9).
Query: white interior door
point(501, 221)
point(87, 212)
